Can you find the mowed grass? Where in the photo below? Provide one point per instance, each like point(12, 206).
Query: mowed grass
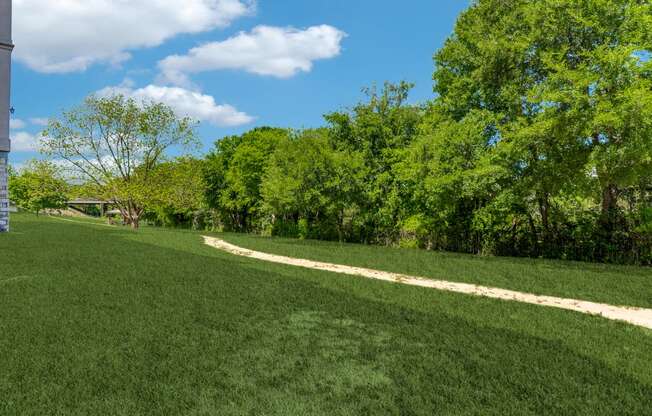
point(107, 321)
point(618, 285)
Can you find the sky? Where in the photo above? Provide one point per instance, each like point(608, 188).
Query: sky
point(230, 64)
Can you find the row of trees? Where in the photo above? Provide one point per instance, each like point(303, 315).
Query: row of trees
point(173, 196)
point(538, 143)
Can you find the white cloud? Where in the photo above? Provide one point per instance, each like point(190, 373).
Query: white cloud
point(184, 102)
point(266, 50)
point(17, 166)
point(23, 141)
point(58, 36)
point(37, 121)
point(16, 123)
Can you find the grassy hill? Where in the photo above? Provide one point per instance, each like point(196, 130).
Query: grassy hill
point(99, 320)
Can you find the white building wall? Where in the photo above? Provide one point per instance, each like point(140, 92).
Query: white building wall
point(4, 195)
point(6, 47)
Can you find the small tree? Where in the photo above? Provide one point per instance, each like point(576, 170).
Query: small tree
point(38, 186)
point(116, 143)
point(179, 192)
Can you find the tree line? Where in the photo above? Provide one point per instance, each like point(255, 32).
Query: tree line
point(538, 143)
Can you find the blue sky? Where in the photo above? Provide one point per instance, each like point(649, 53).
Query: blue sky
point(335, 48)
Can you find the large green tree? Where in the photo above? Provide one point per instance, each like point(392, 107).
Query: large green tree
point(447, 174)
point(568, 83)
point(116, 143)
point(538, 143)
point(309, 183)
point(378, 129)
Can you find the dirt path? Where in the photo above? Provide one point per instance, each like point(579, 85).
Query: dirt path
point(637, 316)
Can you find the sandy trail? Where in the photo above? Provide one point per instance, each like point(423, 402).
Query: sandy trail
point(636, 316)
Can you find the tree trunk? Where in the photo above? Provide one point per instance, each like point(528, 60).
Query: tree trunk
point(609, 206)
point(610, 194)
point(133, 215)
point(609, 199)
point(544, 211)
point(340, 226)
point(534, 234)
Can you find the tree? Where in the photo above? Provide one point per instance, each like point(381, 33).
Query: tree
point(38, 186)
point(177, 191)
point(378, 129)
point(308, 182)
point(448, 173)
point(538, 143)
point(117, 143)
point(233, 173)
point(569, 86)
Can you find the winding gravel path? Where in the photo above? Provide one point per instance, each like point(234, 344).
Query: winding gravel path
point(636, 316)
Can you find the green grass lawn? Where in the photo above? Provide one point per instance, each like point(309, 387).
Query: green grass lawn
point(107, 321)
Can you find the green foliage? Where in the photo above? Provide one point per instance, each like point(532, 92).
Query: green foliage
point(309, 181)
point(378, 129)
point(176, 193)
point(337, 182)
point(449, 172)
point(38, 186)
point(538, 143)
point(234, 172)
point(568, 84)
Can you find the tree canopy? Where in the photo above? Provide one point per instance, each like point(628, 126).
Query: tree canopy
point(538, 143)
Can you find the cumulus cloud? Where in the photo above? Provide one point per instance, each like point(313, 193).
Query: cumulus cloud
point(71, 35)
point(23, 141)
point(38, 121)
point(16, 123)
point(272, 51)
point(184, 102)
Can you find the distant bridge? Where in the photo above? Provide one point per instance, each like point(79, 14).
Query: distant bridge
point(86, 202)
